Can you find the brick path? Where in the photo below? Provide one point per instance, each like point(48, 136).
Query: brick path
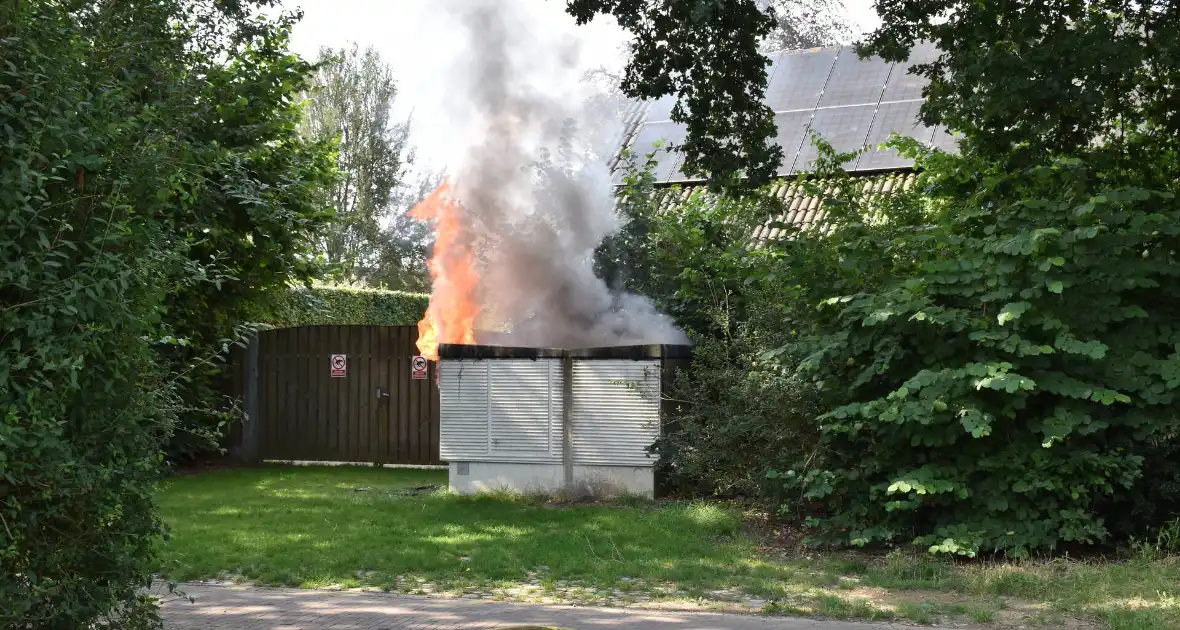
point(251, 608)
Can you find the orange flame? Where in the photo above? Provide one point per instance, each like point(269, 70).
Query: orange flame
point(450, 318)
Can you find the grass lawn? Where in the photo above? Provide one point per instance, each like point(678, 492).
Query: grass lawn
point(367, 527)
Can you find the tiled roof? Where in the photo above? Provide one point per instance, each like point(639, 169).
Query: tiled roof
point(632, 118)
point(802, 210)
point(806, 211)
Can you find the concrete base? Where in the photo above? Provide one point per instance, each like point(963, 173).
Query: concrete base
point(592, 481)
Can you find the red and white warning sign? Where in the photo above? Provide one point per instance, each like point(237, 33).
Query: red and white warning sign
point(339, 365)
point(418, 365)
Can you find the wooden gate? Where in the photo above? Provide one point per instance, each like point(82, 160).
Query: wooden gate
point(304, 404)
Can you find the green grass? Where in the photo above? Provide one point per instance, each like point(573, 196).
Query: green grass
point(315, 527)
point(312, 527)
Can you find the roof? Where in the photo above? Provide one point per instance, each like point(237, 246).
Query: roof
point(852, 103)
point(806, 211)
point(802, 210)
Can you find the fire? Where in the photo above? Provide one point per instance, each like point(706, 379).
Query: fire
point(450, 318)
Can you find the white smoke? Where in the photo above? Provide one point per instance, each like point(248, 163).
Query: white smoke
point(531, 173)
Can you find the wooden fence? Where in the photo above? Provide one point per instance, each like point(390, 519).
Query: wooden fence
point(304, 403)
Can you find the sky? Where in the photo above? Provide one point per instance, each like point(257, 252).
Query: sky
point(419, 40)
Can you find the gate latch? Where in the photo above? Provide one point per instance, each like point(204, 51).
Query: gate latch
point(381, 393)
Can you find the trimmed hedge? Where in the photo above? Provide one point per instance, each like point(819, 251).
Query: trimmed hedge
point(349, 305)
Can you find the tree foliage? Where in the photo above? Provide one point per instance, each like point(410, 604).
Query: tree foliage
point(85, 405)
point(801, 24)
point(996, 395)
point(689, 250)
point(707, 52)
point(255, 220)
point(1031, 79)
point(987, 362)
point(992, 353)
point(151, 188)
point(1000, 387)
point(406, 242)
point(371, 241)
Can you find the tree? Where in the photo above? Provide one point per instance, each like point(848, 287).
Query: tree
point(707, 52)
point(1030, 79)
point(152, 176)
point(405, 242)
point(1005, 384)
point(801, 24)
point(255, 221)
point(351, 103)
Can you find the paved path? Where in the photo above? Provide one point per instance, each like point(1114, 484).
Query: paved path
point(252, 608)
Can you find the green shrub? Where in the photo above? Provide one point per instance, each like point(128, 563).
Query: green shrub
point(84, 265)
point(736, 420)
point(150, 192)
point(255, 218)
point(348, 305)
point(999, 391)
point(986, 362)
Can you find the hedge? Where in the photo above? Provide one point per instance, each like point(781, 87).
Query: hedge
point(348, 305)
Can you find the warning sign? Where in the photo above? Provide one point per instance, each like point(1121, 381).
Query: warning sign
point(419, 368)
point(339, 365)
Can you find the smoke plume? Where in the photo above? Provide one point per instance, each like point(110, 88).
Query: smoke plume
point(533, 184)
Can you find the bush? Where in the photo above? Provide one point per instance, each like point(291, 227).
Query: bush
point(85, 404)
point(254, 220)
point(150, 191)
point(348, 305)
point(736, 420)
point(738, 416)
point(689, 251)
point(1000, 390)
point(1153, 501)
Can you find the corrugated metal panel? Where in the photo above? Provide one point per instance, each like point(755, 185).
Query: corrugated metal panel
point(521, 407)
point(616, 413)
point(463, 391)
point(504, 410)
point(556, 407)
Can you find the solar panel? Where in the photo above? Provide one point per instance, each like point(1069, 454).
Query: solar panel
point(845, 128)
point(849, 102)
point(792, 130)
point(677, 176)
point(668, 162)
point(797, 79)
point(922, 52)
point(900, 118)
point(660, 110)
point(944, 141)
point(855, 82)
point(904, 85)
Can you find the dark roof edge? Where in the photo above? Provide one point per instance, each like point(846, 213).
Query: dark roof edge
point(632, 352)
